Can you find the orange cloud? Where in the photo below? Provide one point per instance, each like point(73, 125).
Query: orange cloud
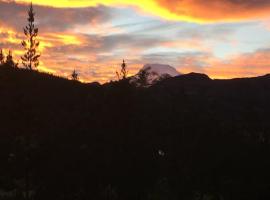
point(10, 40)
point(98, 56)
point(100, 64)
point(217, 10)
point(243, 65)
point(183, 10)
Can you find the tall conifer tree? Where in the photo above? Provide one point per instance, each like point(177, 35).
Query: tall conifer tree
point(30, 59)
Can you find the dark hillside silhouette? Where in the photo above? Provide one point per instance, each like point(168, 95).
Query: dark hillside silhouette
point(148, 137)
point(187, 137)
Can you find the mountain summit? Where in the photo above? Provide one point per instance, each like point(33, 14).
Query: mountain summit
point(152, 73)
point(160, 69)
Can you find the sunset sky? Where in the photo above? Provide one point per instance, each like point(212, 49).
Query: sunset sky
point(222, 38)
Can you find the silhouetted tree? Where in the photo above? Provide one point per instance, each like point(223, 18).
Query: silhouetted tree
point(9, 61)
point(31, 56)
point(75, 75)
point(123, 73)
point(143, 77)
point(2, 57)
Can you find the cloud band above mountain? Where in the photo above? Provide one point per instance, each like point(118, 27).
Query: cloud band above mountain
point(183, 10)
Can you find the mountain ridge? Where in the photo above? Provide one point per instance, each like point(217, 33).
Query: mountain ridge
point(84, 140)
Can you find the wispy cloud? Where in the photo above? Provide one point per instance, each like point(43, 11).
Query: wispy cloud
point(184, 10)
point(94, 40)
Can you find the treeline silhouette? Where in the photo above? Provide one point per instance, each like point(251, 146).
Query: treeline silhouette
point(187, 137)
point(183, 138)
point(30, 59)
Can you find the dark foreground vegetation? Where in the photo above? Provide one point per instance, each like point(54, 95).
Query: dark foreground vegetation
point(185, 138)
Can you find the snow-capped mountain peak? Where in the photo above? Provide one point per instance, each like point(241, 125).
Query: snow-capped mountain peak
point(152, 73)
point(161, 69)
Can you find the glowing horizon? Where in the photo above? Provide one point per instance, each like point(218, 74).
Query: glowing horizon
point(94, 36)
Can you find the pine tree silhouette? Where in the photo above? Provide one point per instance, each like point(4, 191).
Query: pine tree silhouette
point(30, 45)
point(75, 75)
point(123, 73)
point(9, 61)
point(143, 77)
point(2, 57)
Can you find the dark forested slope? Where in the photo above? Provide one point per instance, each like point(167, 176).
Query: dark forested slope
point(187, 137)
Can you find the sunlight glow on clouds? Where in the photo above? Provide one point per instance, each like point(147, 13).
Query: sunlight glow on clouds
point(242, 65)
point(184, 10)
point(94, 36)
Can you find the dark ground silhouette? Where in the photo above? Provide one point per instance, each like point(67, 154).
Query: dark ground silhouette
point(185, 138)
